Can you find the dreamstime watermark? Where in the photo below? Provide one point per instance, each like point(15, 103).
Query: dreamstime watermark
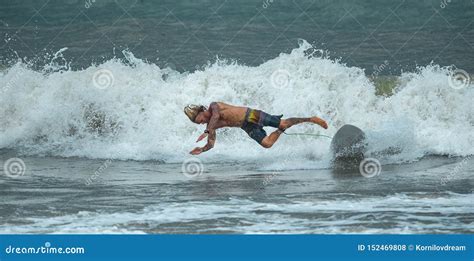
point(16, 77)
point(459, 79)
point(98, 172)
point(103, 79)
point(280, 79)
point(192, 167)
point(88, 3)
point(269, 178)
point(14, 167)
point(379, 68)
point(370, 167)
point(46, 249)
point(267, 3)
point(455, 171)
point(444, 3)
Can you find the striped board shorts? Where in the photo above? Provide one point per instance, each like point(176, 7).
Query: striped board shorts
point(254, 122)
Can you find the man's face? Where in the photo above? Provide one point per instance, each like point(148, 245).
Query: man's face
point(200, 118)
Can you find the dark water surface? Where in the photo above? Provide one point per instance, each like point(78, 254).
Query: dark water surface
point(186, 34)
point(57, 195)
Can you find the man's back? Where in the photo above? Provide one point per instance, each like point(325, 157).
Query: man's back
point(230, 116)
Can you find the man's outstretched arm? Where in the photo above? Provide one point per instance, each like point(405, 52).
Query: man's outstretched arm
point(211, 126)
point(210, 130)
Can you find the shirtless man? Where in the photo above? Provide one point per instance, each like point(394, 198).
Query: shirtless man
point(252, 121)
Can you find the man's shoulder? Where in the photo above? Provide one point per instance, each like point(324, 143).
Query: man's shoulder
point(220, 104)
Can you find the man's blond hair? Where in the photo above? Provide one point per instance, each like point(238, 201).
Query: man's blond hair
point(193, 110)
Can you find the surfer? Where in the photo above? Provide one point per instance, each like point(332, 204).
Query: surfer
point(252, 121)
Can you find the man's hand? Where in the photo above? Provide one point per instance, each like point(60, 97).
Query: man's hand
point(201, 137)
point(196, 151)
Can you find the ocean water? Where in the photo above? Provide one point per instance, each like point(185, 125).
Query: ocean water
point(398, 35)
point(91, 101)
point(58, 195)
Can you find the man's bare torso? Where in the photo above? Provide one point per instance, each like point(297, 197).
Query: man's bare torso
point(230, 116)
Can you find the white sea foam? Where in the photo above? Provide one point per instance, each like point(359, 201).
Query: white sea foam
point(318, 216)
point(140, 115)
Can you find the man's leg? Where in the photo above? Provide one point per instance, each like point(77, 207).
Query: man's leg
point(287, 123)
point(269, 140)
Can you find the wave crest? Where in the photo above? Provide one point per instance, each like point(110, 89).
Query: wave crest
point(139, 116)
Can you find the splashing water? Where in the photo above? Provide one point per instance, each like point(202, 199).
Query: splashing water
point(138, 115)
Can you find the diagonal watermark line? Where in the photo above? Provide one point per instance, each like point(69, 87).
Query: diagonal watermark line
point(23, 26)
point(62, 30)
point(139, 43)
point(387, 51)
point(203, 44)
point(438, 13)
point(193, 34)
point(419, 29)
point(214, 13)
point(396, 8)
point(177, 19)
point(278, 36)
point(268, 20)
point(470, 44)
point(81, 12)
point(126, 11)
point(340, 19)
point(27, 46)
point(363, 27)
point(97, 27)
point(265, 17)
point(397, 16)
point(238, 32)
point(446, 46)
point(164, 18)
point(41, 16)
point(84, 53)
point(375, 30)
point(306, 14)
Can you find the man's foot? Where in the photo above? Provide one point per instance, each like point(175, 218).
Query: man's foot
point(319, 121)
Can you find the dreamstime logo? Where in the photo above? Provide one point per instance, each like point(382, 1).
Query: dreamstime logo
point(370, 167)
point(459, 79)
point(98, 172)
point(280, 79)
point(267, 179)
point(379, 68)
point(444, 3)
point(14, 167)
point(88, 3)
point(16, 77)
point(103, 79)
point(266, 3)
point(455, 171)
point(192, 167)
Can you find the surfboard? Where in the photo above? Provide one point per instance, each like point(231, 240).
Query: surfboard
point(348, 147)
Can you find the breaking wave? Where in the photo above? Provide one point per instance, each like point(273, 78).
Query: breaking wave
point(132, 109)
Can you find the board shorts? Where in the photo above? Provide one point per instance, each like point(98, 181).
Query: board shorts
point(254, 122)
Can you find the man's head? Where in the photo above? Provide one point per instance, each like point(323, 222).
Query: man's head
point(196, 113)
